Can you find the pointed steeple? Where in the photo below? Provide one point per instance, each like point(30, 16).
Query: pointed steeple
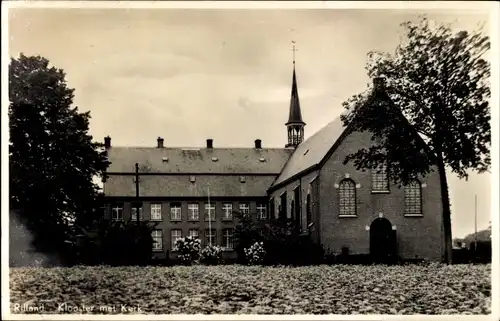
point(295, 115)
point(295, 124)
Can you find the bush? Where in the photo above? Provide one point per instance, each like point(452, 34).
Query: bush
point(255, 254)
point(113, 243)
point(211, 255)
point(188, 249)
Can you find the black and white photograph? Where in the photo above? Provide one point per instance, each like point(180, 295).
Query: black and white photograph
point(250, 159)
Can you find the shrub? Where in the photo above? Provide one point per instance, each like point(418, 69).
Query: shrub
point(247, 231)
point(188, 249)
point(113, 243)
point(255, 254)
point(211, 255)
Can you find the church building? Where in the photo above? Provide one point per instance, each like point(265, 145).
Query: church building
point(194, 192)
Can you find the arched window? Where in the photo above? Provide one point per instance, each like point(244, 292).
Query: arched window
point(413, 198)
point(347, 201)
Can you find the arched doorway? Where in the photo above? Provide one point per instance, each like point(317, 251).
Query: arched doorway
point(382, 241)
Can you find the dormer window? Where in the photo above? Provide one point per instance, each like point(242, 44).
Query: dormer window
point(262, 159)
point(214, 159)
point(242, 179)
point(192, 179)
point(164, 159)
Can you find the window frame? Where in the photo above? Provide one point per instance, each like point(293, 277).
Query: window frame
point(141, 213)
point(225, 217)
point(116, 207)
point(240, 208)
point(207, 210)
point(418, 186)
point(197, 206)
point(380, 178)
point(172, 245)
point(261, 206)
point(158, 210)
point(213, 235)
point(196, 230)
point(155, 247)
point(226, 238)
point(352, 197)
point(175, 206)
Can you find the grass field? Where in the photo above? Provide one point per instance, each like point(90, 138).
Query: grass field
point(339, 289)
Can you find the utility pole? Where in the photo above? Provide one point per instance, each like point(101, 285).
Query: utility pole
point(475, 223)
point(209, 217)
point(137, 206)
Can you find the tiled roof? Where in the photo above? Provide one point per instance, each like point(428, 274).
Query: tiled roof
point(312, 151)
point(181, 185)
point(201, 160)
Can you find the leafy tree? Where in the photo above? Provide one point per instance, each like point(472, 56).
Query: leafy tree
point(438, 84)
point(247, 231)
point(52, 157)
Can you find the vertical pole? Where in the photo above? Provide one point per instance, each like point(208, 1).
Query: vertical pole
point(475, 223)
point(209, 217)
point(137, 192)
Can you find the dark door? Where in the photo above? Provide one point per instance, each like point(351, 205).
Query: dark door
point(382, 241)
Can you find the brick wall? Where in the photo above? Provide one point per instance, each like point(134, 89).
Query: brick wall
point(166, 224)
point(420, 237)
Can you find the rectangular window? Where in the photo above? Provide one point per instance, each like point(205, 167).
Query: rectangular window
point(194, 233)
point(133, 215)
point(210, 211)
point(117, 212)
point(193, 212)
point(261, 211)
point(157, 236)
point(245, 208)
point(175, 212)
point(174, 236)
point(227, 238)
point(210, 237)
point(156, 212)
point(227, 211)
point(380, 180)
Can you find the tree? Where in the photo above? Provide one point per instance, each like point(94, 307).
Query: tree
point(436, 84)
point(52, 158)
point(247, 231)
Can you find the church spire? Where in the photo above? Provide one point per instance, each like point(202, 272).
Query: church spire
point(295, 125)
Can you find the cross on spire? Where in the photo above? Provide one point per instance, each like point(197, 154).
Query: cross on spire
point(293, 50)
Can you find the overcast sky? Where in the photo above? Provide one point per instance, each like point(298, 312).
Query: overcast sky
point(189, 75)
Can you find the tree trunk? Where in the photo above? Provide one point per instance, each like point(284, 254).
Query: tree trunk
point(445, 200)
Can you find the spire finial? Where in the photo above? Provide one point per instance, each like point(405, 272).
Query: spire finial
point(294, 50)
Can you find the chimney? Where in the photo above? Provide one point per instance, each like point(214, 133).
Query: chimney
point(378, 83)
point(107, 142)
point(258, 144)
point(210, 143)
point(160, 142)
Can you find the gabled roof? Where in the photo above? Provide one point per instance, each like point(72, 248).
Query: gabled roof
point(182, 186)
point(199, 160)
point(312, 151)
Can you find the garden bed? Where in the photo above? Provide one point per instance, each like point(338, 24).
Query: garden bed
point(338, 289)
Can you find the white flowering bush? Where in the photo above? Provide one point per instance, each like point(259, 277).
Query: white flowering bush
point(188, 249)
point(255, 254)
point(212, 254)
